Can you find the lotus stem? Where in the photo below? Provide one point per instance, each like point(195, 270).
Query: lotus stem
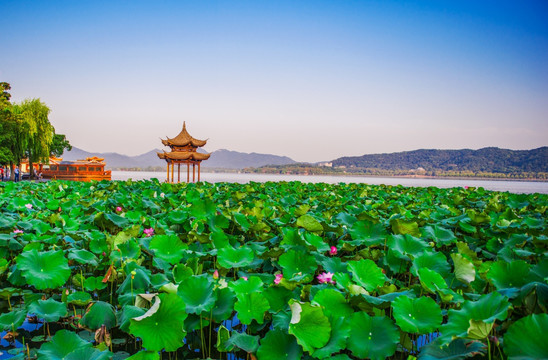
point(488, 347)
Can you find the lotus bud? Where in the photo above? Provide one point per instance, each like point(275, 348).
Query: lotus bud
point(216, 274)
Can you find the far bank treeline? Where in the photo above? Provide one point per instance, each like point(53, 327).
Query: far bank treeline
point(488, 162)
point(26, 132)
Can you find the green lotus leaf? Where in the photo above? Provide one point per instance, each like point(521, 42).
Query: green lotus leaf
point(431, 280)
point(372, 337)
point(251, 307)
point(49, 310)
point(309, 325)
point(94, 283)
point(368, 232)
point(83, 257)
point(145, 355)
point(242, 286)
point(333, 303)
point(340, 330)
point(127, 250)
point(181, 272)
point(297, 263)
point(509, 274)
point(244, 341)
point(3, 265)
point(242, 220)
point(367, 274)
point(44, 270)
point(417, 316)
point(435, 261)
point(309, 223)
point(476, 318)
point(79, 298)
point(316, 242)
point(278, 345)
point(12, 320)
point(198, 293)
point(465, 271)
point(168, 248)
point(455, 350)
point(402, 226)
point(406, 246)
point(161, 327)
point(128, 312)
point(87, 353)
point(229, 257)
point(524, 339)
point(223, 334)
point(224, 306)
point(63, 344)
point(438, 234)
point(99, 313)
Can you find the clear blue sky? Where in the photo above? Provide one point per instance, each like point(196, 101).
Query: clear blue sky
point(313, 80)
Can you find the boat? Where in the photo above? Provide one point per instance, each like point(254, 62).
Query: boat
point(91, 168)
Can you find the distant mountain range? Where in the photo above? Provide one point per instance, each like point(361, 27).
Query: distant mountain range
point(222, 159)
point(490, 159)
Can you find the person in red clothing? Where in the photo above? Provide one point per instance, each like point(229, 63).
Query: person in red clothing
point(1, 173)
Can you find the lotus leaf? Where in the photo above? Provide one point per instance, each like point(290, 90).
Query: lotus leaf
point(455, 350)
point(420, 315)
point(224, 305)
point(44, 270)
point(464, 269)
point(524, 339)
point(79, 298)
point(509, 274)
point(368, 232)
point(161, 327)
point(440, 235)
point(367, 274)
point(296, 264)
point(245, 342)
point(66, 345)
point(309, 325)
point(251, 307)
point(83, 257)
point(229, 257)
point(333, 303)
point(99, 313)
point(278, 345)
point(128, 312)
point(12, 320)
point(309, 223)
point(340, 330)
point(49, 310)
point(372, 337)
point(168, 248)
point(476, 318)
point(198, 294)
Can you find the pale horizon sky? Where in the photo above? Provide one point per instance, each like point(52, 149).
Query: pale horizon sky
point(312, 80)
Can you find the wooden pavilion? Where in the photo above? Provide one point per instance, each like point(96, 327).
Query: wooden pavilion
point(183, 151)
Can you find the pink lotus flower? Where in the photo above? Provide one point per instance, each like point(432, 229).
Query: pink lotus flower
point(17, 231)
point(118, 208)
point(326, 278)
point(333, 250)
point(216, 274)
point(466, 187)
point(28, 206)
point(149, 232)
point(278, 278)
point(244, 277)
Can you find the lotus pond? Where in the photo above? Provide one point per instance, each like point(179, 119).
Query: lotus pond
point(270, 271)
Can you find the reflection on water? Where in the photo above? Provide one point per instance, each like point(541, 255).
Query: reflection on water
point(495, 185)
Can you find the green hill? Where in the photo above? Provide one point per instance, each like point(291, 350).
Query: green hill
point(490, 160)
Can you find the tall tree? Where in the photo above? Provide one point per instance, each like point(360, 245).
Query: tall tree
point(40, 131)
point(59, 144)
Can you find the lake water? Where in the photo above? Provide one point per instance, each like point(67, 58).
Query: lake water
point(495, 185)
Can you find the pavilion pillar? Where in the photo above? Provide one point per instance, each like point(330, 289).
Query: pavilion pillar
point(187, 172)
point(199, 171)
point(167, 178)
point(172, 170)
point(193, 172)
point(178, 172)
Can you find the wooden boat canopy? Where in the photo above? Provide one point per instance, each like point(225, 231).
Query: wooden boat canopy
point(91, 168)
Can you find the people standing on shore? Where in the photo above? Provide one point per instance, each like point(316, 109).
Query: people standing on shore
point(2, 173)
point(16, 173)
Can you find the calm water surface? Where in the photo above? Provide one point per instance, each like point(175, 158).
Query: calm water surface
point(495, 185)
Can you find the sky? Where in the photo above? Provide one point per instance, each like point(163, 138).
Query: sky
point(312, 80)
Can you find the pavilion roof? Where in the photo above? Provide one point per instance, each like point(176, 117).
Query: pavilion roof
point(183, 155)
point(183, 139)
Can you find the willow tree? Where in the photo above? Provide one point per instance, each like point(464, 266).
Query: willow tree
point(39, 134)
